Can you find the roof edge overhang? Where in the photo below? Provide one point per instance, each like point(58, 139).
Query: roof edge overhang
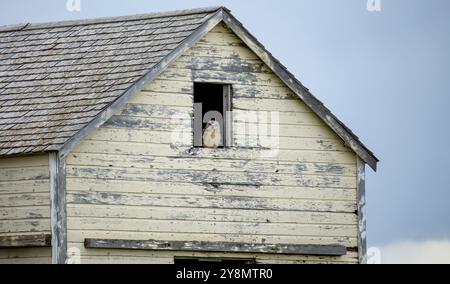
point(223, 15)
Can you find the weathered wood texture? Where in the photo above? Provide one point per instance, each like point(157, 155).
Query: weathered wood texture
point(144, 256)
point(58, 208)
point(319, 250)
point(362, 239)
point(138, 177)
point(25, 241)
point(24, 208)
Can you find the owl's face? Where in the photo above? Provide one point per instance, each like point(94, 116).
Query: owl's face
point(213, 124)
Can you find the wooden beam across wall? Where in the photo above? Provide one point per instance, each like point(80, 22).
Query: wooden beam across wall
point(26, 241)
point(291, 249)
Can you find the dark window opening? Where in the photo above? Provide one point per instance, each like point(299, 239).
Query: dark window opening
point(212, 261)
point(212, 115)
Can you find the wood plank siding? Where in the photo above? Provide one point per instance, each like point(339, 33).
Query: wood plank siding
point(25, 209)
point(139, 178)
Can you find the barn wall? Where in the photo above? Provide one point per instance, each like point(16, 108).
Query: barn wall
point(138, 177)
point(25, 205)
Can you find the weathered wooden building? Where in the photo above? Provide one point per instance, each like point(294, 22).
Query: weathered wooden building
point(101, 157)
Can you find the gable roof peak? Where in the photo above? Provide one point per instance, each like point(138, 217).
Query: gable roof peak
point(99, 68)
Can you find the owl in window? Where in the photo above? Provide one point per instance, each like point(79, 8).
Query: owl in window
point(212, 138)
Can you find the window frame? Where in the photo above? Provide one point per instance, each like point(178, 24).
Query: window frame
point(227, 116)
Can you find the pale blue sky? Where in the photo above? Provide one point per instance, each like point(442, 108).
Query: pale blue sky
point(385, 74)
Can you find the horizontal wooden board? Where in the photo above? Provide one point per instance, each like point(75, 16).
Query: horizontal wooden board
point(156, 111)
point(163, 99)
point(216, 78)
point(21, 213)
point(188, 227)
point(25, 241)
point(28, 173)
point(265, 117)
point(24, 226)
point(258, 91)
point(78, 236)
point(185, 138)
point(289, 143)
point(179, 112)
point(236, 65)
point(212, 176)
point(164, 86)
point(122, 148)
point(18, 254)
point(286, 123)
point(224, 247)
point(275, 130)
point(199, 189)
point(222, 51)
point(251, 104)
point(21, 162)
point(199, 164)
point(25, 186)
point(28, 199)
point(181, 86)
point(212, 215)
point(155, 124)
point(142, 136)
point(218, 202)
point(221, 76)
